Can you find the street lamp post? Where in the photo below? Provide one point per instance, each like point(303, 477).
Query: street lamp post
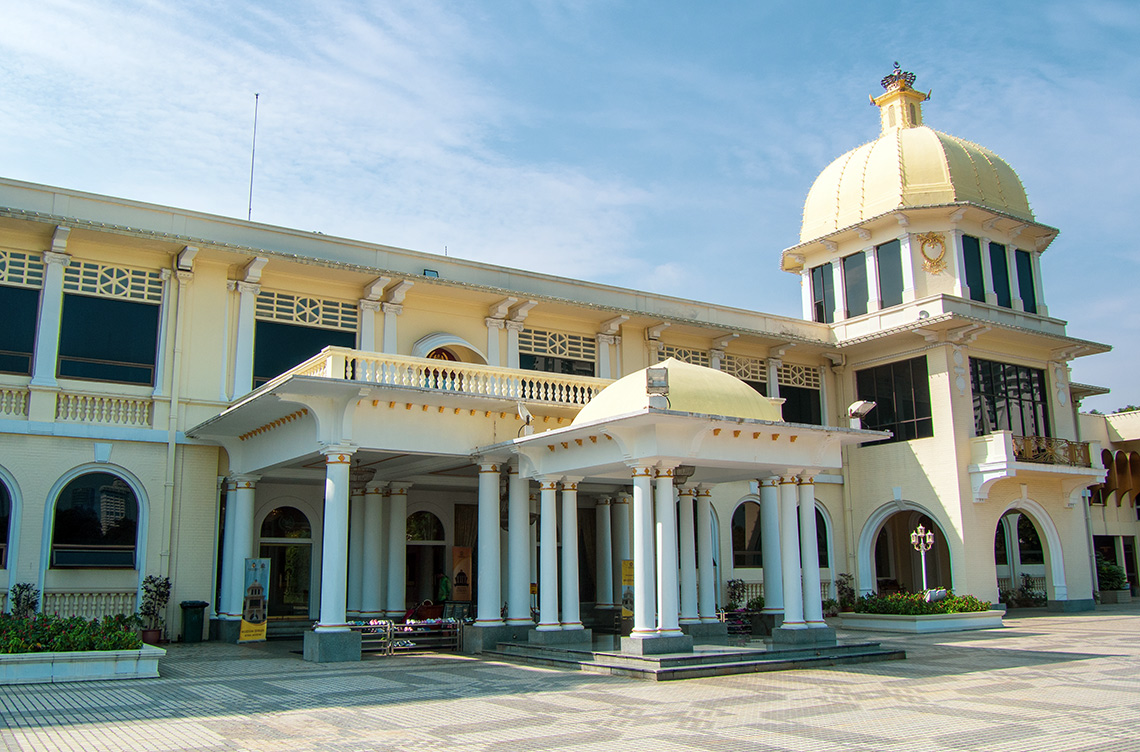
point(922, 540)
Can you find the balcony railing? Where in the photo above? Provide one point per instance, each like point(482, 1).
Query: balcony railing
point(452, 377)
point(1050, 451)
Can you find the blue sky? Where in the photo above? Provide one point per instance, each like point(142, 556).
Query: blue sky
point(659, 145)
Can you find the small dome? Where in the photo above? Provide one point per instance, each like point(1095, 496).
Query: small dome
point(908, 165)
point(693, 389)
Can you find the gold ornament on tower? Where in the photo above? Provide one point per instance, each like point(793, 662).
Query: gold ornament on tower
point(932, 264)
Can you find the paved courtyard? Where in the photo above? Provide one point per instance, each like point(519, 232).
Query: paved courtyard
point(1046, 682)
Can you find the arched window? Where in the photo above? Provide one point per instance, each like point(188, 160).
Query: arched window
point(286, 522)
point(96, 523)
point(746, 536)
point(424, 526)
point(5, 518)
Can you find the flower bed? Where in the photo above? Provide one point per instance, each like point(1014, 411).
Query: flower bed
point(44, 649)
point(913, 613)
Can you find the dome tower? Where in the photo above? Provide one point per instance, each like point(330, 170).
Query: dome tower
point(916, 214)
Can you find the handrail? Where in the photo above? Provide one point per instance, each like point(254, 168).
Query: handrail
point(1050, 451)
point(450, 376)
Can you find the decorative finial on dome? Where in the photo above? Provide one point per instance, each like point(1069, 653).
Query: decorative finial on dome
point(901, 103)
point(898, 79)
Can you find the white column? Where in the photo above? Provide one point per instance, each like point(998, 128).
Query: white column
point(706, 548)
point(355, 550)
point(532, 547)
point(372, 582)
point(50, 314)
point(871, 257)
point(604, 341)
point(808, 311)
point(1038, 288)
point(243, 343)
point(488, 612)
point(392, 313)
point(605, 558)
point(494, 326)
point(621, 551)
point(644, 578)
point(238, 543)
point(548, 551)
point(956, 267)
point(518, 552)
point(687, 549)
point(774, 365)
point(1013, 549)
point(809, 554)
point(397, 519)
point(906, 247)
point(770, 545)
point(840, 312)
point(334, 542)
point(513, 329)
point(366, 337)
point(571, 618)
point(716, 357)
point(790, 556)
point(164, 316)
point(668, 590)
point(987, 271)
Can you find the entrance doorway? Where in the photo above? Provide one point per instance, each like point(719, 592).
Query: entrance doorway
point(287, 541)
point(898, 567)
point(426, 549)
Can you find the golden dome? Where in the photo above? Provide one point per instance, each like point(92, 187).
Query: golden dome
point(692, 389)
point(909, 165)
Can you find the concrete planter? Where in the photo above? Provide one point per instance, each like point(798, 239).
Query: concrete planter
point(87, 665)
point(921, 624)
point(1115, 596)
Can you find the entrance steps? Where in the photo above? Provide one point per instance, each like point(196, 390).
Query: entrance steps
point(705, 660)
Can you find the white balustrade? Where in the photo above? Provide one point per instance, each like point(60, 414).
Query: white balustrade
point(92, 408)
point(14, 401)
point(89, 604)
point(448, 376)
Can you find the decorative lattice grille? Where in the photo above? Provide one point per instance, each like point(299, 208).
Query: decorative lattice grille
point(745, 368)
point(557, 344)
point(684, 354)
point(300, 309)
point(791, 374)
point(21, 269)
point(104, 281)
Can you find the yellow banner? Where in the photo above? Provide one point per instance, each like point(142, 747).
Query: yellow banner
point(627, 588)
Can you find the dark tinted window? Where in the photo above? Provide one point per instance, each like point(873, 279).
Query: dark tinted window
point(823, 294)
point(96, 522)
point(801, 405)
point(106, 339)
point(551, 364)
point(902, 393)
point(5, 517)
point(855, 284)
point(1025, 287)
point(279, 347)
point(972, 251)
point(20, 306)
point(746, 551)
point(889, 259)
point(1008, 397)
point(999, 271)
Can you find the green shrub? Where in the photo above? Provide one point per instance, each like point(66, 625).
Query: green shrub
point(756, 604)
point(830, 607)
point(1110, 576)
point(735, 594)
point(915, 604)
point(25, 599)
point(44, 633)
point(845, 587)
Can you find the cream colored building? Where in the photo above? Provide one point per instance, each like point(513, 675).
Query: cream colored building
point(369, 417)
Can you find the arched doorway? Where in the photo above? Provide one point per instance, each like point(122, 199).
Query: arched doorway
point(287, 541)
point(1019, 558)
point(1038, 541)
point(426, 548)
point(95, 524)
point(895, 564)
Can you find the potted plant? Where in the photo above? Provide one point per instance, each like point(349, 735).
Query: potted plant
point(156, 594)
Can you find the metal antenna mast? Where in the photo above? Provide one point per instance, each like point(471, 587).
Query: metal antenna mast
point(252, 156)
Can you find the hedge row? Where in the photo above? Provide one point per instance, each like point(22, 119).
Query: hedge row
point(44, 633)
point(915, 604)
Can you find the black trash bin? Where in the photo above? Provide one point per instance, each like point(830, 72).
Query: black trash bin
point(192, 620)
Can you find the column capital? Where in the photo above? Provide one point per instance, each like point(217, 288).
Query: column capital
point(704, 490)
point(399, 489)
point(806, 479)
point(242, 480)
point(514, 326)
point(183, 276)
point(394, 308)
point(570, 484)
point(338, 453)
point(603, 501)
point(513, 468)
point(772, 480)
point(369, 305)
point(375, 488)
point(687, 490)
point(663, 472)
point(548, 484)
point(487, 467)
point(494, 323)
point(623, 498)
point(56, 257)
point(606, 339)
point(788, 480)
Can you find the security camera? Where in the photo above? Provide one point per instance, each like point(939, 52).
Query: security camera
point(860, 409)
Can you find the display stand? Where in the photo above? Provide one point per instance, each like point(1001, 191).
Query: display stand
point(383, 637)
